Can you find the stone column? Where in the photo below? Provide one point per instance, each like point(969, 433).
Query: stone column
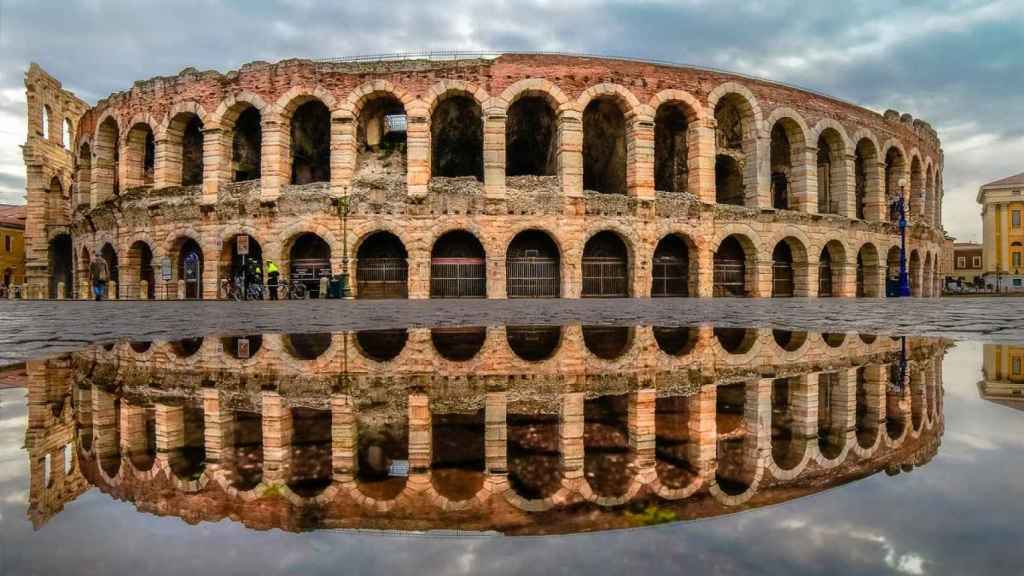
point(344, 463)
point(641, 426)
point(875, 384)
point(757, 173)
point(570, 434)
point(846, 193)
point(875, 207)
point(494, 153)
point(273, 152)
point(703, 432)
point(417, 137)
point(217, 427)
point(133, 430)
point(804, 398)
point(166, 163)
point(496, 433)
point(804, 178)
point(700, 160)
point(277, 438)
point(640, 156)
point(420, 434)
point(104, 431)
point(170, 433)
point(706, 270)
point(216, 163)
point(344, 150)
point(570, 153)
point(1004, 241)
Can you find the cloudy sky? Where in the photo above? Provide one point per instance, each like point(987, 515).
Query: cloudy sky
point(957, 63)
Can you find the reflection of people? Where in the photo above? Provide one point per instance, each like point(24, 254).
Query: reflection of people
point(272, 277)
point(100, 274)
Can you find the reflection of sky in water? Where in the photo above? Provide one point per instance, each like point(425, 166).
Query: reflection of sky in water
point(959, 514)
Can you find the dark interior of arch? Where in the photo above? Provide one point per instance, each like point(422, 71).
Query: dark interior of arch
point(670, 268)
point(382, 345)
point(529, 138)
point(673, 441)
point(730, 406)
point(862, 156)
point(604, 147)
point(736, 340)
point(381, 245)
point(670, 153)
point(607, 456)
point(148, 156)
point(310, 246)
point(729, 187)
point(728, 125)
point(894, 164)
point(457, 244)
point(457, 454)
point(245, 149)
point(782, 270)
point(381, 136)
point(110, 255)
point(730, 268)
point(532, 244)
point(142, 257)
point(192, 152)
point(781, 159)
point(533, 343)
point(607, 342)
point(533, 460)
point(61, 265)
point(232, 348)
point(675, 340)
point(311, 143)
point(458, 344)
point(308, 346)
point(605, 244)
point(826, 201)
point(457, 138)
point(311, 471)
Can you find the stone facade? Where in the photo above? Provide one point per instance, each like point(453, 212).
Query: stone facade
point(155, 168)
point(1002, 206)
point(12, 246)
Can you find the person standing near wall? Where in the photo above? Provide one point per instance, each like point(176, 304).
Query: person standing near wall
point(273, 274)
point(100, 274)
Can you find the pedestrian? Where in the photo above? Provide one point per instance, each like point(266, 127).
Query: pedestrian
point(272, 277)
point(100, 273)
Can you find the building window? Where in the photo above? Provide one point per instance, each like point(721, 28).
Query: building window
point(961, 261)
point(8, 244)
point(1016, 366)
point(976, 262)
point(1016, 259)
point(1015, 218)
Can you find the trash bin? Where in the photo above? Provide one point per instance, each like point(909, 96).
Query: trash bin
point(334, 289)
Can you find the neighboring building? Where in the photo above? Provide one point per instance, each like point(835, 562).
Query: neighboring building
point(968, 258)
point(1002, 209)
point(1003, 370)
point(12, 244)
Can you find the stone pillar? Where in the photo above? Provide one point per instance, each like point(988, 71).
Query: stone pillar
point(277, 438)
point(843, 406)
point(641, 426)
point(703, 433)
point(216, 163)
point(344, 149)
point(217, 427)
point(804, 399)
point(757, 174)
point(494, 153)
point(640, 157)
point(874, 382)
point(344, 441)
point(419, 275)
point(706, 269)
point(143, 290)
point(762, 281)
point(273, 152)
point(700, 160)
point(804, 178)
point(133, 430)
point(876, 208)
point(170, 432)
point(570, 434)
point(496, 433)
point(166, 163)
point(420, 433)
point(112, 292)
point(417, 150)
point(570, 152)
point(846, 191)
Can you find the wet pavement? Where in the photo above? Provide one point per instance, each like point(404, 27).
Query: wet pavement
point(36, 328)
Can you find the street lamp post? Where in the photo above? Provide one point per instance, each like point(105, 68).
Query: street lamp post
point(901, 207)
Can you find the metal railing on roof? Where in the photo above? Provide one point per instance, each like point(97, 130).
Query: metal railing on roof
point(457, 55)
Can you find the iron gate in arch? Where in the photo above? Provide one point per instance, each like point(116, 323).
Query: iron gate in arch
point(605, 277)
point(382, 277)
point(458, 278)
point(532, 277)
point(825, 278)
point(782, 279)
point(669, 275)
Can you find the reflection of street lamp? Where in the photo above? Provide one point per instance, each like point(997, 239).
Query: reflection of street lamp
point(900, 206)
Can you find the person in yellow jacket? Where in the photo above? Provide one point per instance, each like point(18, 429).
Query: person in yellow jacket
point(273, 274)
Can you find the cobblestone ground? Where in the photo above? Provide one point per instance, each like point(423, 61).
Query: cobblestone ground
point(39, 328)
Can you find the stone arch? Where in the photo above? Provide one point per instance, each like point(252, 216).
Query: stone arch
point(456, 129)
point(183, 144)
point(458, 265)
point(382, 265)
point(436, 93)
point(675, 266)
point(735, 256)
point(738, 129)
point(916, 190)
point(790, 265)
point(833, 145)
point(535, 87)
point(607, 263)
point(533, 264)
point(869, 269)
point(832, 269)
point(868, 189)
point(61, 264)
point(622, 96)
point(241, 145)
point(106, 158)
point(606, 142)
point(896, 170)
point(375, 138)
point(139, 266)
point(140, 152)
point(789, 163)
point(531, 134)
point(305, 115)
point(83, 167)
point(189, 261)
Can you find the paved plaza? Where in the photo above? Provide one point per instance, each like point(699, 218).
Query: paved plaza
point(37, 328)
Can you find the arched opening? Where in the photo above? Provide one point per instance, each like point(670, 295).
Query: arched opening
point(533, 266)
point(673, 445)
point(670, 270)
point(916, 201)
point(929, 198)
point(142, 444)
point(107, 424)
point(831, 172)
point(244, 270)
point(140, 263)
point(140, 346)
point(915, 273)
point(731, 473)
point(247, 448)
point(784, 136)
point(186, 347)
point(732, 275)
point(381, 137)
point(61, 264)
point(307, 346)
point(607, 342)
point(867, 272)
point(736, 340)
point(457, 138)
point(787, 446)
point(604, 147)
point(109, 255)
point(605, 267)
point(895, 170)
point(926, 278)
point(783, 277)
point(458, 344)
point(458, 457)
point(246, 144)
point(84, 178)
point(189, 459)
point(831, 266)
point(530, 132)
point(140, 154)
point(56, 203)
point(607, 453)
point(735, 142)
point(676, 340)
point(382, 267)
point(458, 267)
point(310, 468)
point(833, 339)
point(892, 271)
point(831, 405)
point(534, 462)
point(533, 343)
point(671, 166)
point(185, 134)
point(105, 170)
point(190, 267)
point(242, 347)
point(382, 345)
point(788, 340)
point(896, 403)
point(825, 283)
point(309, 261)
point(46, 122)
point(67, 134)
point(865, 184)
point(867, 422)
point(311, 143)
point(383, 450)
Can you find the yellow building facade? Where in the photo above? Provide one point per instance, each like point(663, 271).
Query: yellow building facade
point(12, 245)
point(1002, 203)
point(1003, 381)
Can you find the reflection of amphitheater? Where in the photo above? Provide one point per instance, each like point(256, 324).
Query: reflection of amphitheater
point(507, 176)
point(518, 429)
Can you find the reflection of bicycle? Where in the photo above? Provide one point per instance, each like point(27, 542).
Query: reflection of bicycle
point(293, 290)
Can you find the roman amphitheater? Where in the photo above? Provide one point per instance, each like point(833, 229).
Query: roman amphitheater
point(497, 176)
point(522, 429)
